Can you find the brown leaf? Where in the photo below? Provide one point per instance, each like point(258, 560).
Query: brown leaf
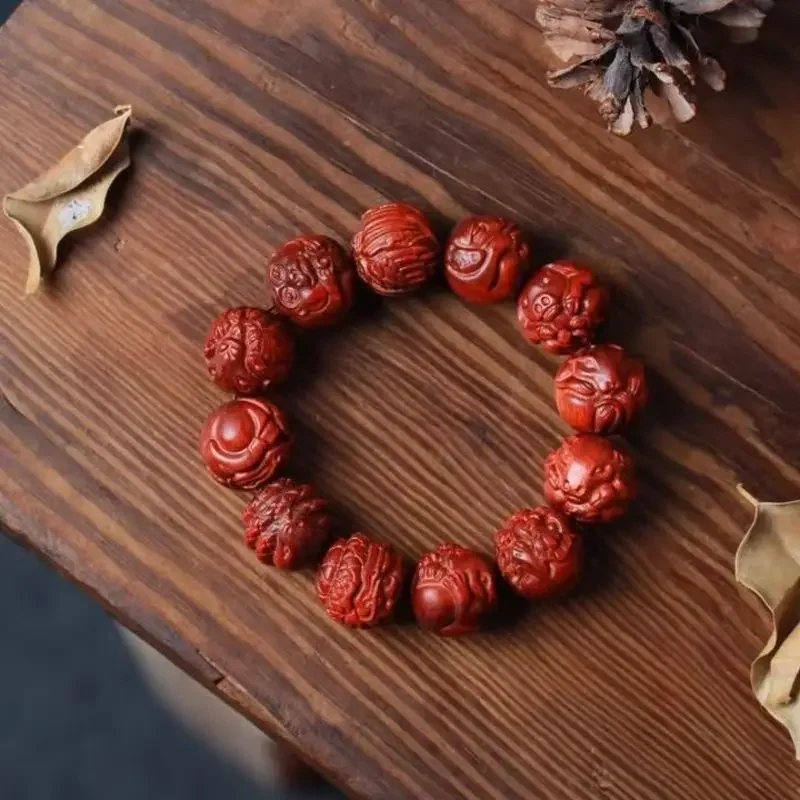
point(768, 563)
point(69, 195)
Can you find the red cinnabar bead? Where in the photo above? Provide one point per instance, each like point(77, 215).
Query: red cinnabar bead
point(590, 479)
point(313, 282)
point(453, 590)
point(247, 349)
point(561, 307)
point(286, 523)
point(359, 581)
point(245, 442)
point(538, 553)
point(600, 389)
point(396, 250)
point(485, 259)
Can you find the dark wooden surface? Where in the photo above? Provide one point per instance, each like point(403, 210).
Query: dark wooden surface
point(422, 420)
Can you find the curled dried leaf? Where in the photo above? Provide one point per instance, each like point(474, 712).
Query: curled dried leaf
point(768, 564)
point(69, 195)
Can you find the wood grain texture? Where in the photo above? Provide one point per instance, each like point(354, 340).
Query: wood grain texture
point(422, 420)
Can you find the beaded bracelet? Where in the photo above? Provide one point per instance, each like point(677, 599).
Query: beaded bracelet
point(589, 478)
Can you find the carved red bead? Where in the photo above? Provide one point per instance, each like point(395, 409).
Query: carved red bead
point(600, 389)
point(245, 442)
point(359, 581)
point(538, 553)
point(590, 479)
point(286, 523)
point(247, 349)
point(453, 589)
point(313, 282)
point(561, 307)
point(396, 250)
point(485, 259)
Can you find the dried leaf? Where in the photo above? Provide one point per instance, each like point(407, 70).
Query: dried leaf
point(768, 563)
point(69, 195)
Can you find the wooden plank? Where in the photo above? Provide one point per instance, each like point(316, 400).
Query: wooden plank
point(422, 420)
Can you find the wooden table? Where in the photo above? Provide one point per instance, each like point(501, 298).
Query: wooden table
point(423, 420)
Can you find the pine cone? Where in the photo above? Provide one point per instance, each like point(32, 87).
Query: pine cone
point(622, 52)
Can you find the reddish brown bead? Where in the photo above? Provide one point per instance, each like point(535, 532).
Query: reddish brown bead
point(247, 349)
point(313, 282)
point(538, 553)
point(359, 581)
point(600, 389)
point(286, 523)
point(590, 479)
point(453, 590)
point(485, 259)
point(561, 307)
point(245, 442)
point(396, 249)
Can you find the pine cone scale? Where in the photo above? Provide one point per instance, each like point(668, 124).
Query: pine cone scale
point(623, 53)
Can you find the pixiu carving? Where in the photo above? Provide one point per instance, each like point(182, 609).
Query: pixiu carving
point(485, 259)
point(359, 581)
point(600, 389)
point(247, 349)
point(396, 250)
point(245, 442)
point(588, 478)
point(452, 590)
point(312, 281)
point(538, 553)
point(561, 307)
point(286, 523)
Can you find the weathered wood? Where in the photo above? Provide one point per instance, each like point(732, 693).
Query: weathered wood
point(422, 420)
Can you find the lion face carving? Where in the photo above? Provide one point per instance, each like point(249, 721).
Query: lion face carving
point(590, 479)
